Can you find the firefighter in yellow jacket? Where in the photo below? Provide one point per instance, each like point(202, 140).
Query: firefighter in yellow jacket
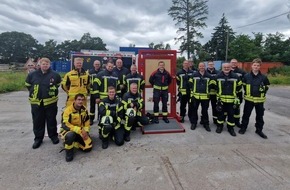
point(76, 81)
point(76, 127)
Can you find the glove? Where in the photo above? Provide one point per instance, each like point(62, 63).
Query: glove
point(236, 103)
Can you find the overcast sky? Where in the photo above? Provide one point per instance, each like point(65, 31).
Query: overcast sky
point(139, 22)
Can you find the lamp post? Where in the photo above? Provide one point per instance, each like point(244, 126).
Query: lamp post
point(227, 45)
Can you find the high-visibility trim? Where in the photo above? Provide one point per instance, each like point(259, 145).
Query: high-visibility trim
point(237, 116)
point(48, 101)
point(117, 126)
point(230, 124)
point(164, 113)
point(255, 99)
point(27, 84)
point(200, 96)
point(108, 112)
point(156, 114)
point(220, 122)
point(68, 147)
point(76, 129)
point(127, 128)
point(160, 87)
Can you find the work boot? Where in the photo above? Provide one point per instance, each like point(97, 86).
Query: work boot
point(155, 120)
point(69, 156)
point(242, 130)
point(219, 129)
point(193, 126)
point(105, 144)
point(232, 131)
point(91, 121)
point(206, 126)
point(165, 119)
point(238, 124)
point(54, 140)
point(36, 144)
point(127, 136)
point(261, 134)
point(182, 119)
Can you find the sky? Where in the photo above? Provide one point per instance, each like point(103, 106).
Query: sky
point(140, 22)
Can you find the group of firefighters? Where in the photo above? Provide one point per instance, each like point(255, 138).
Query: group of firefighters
point(224, 89)
point(117, 92)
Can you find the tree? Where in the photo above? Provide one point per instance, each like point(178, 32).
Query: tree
point(190, 15)
point(17, 47)
point(91, 43)
point(159, 46)
point(217, 46)
point(274, 47)
point(49, 50)
point(243, 48)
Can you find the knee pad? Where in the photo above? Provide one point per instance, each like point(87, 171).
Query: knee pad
point(69, 137)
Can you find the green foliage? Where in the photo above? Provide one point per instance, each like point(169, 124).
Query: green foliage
point(190, 15)
point(12, 81)
point(243, 48)
point(179, 62)
point(18, 47)
point(159, 46)
point(279, 79)
point(217, 46)
point(280, 71)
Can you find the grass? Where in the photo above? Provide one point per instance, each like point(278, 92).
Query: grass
point(12, 81)
point(279, 79)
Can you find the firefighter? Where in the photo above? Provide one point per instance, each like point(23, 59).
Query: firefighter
point(228, 85)
point(200, 85)
point(255, 86)
point(240, 72)
point(76, 81)
point(133, 104)
point(212, 93)
point(76, 127)
point(160, 80)
point(42, 85)
point(111, 115)
point(122, 72)
point(182, 79)
point(93, 73)
point(103, 80)
point(135, 77)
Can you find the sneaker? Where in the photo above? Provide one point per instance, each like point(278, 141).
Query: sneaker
point(55, 140)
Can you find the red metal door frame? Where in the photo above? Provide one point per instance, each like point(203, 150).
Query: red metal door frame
point(143, 55)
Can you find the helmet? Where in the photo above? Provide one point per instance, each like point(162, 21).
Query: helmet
point(106, 120)
point(130, 112)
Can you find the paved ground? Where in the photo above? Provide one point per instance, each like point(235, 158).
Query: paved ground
point(192, 160)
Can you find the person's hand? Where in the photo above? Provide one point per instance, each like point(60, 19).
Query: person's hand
point(122, 86)
point(131, 105)
point(98, 100)
point(85, 135)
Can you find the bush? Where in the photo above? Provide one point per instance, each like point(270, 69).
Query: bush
point(285, 70)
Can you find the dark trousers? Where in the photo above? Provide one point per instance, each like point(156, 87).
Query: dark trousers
point(259, 107)
point(157, 94)
point(41, 115)
point(213, 100)
point(228, 108)
point(237, 115)
point(72, 137)
point(184, 100)
point(107, 132)
point(204, 110)
point(92, 108)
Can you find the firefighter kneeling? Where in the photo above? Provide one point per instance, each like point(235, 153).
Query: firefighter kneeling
point(133, 104)
point(111, 114)
point(75, 128)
